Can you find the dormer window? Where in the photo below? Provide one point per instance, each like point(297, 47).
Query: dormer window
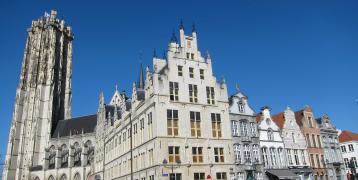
point(241, 106)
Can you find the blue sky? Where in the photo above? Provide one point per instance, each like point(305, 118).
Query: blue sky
point(280, 52)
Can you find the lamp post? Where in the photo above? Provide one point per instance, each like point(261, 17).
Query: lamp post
point(172, 166)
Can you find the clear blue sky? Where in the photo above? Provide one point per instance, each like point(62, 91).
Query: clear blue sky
point(280, 52)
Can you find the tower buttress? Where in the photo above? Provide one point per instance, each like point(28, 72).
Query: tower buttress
point(43, 96)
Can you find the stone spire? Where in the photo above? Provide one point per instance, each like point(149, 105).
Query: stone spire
point(44, 88)
point(173, 39)
point(141, 77)
point(193, 28)
point(181, 26)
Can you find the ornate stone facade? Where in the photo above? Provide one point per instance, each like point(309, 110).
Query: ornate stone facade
point(43, 96)
point(295, 144)
point(245, 137)
point(333, 157)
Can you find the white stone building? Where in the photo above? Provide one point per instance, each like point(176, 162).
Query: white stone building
point(295, 144)
point(175, 124)
point(332, 154)
point(245, 138)
point(348, 142)
point(272, 147)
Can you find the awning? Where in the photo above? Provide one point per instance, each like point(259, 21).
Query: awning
point(281, 174)
point(301, 170)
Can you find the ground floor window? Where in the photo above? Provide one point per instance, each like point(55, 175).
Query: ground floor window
point(199, 176)
point(175, 176)
point(221, 176)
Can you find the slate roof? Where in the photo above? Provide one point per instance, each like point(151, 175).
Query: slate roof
point(75, 126)
point(347, 136)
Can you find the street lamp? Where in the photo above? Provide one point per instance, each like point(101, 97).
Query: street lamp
point(171, 165)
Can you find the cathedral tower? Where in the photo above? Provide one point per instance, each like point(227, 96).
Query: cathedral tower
point(43, 96)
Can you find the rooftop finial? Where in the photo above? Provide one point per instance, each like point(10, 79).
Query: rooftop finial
point(141, 77)
point(116, 87)
point(237, 86)
point(181, 26)
point(208, 54)
point(194, 28)
point(155, 53)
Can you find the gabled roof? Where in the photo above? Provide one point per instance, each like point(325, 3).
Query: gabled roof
point(86, 124)
point(279, 119)
point(299, 115)
point(347, 136)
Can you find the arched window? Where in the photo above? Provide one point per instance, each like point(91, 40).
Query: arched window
point(77, 154)
point(52, 157)
point(51, 178)
point(90, 151)
point(77, 177)
point(237, 151)
point(64, 156)
point(37, 178)
point(264, 156)
point(63, 177)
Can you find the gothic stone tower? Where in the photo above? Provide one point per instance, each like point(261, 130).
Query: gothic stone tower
point(43, 96)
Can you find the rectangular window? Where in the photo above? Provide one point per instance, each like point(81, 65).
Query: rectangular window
point(247, 153)
point(210, 95)
point(355, 161)
point(237, 152)
point(310, 122)
point(151, 177)
point(175, 176)
point(350, 147)
point(201, 73)
point(216, 125)
point(343, 148)
point(297, 160)
point(174, 91)
point(151, 157)
point(256, 156)
point(195, 124)
point(289, 156)
point(187, 55)
point(314, 141)
point(318, 161)
point(221, 176)
point(193, 93)
point(303, 157)
point(197, 154)
point(319, 141)
point(312, 161)
point(192, 55)
point(174, 155)
point(346, 162)
point(308, 140)
point(150, 125)
point(322, 161)
point(199, 176)
point(235, 128)
point(180, 70)
point(191, 72)
point(172, 122)
point(219, 155)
